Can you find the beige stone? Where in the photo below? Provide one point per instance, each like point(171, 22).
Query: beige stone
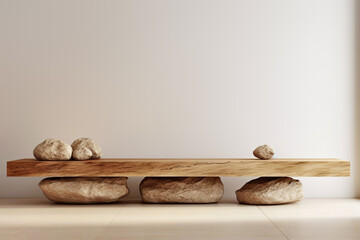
point(264, 152)
point(270, 190)
point(84, 189)
point(83, 154)
point(52, 149)
point(181, 189)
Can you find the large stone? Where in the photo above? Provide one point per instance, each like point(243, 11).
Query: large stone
point(181, 189)
point(84, 189)
point(85, 148)
point(264, 152)
point(270, 190)
point(52, 149)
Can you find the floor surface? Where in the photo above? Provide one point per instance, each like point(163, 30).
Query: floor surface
point(314, 219)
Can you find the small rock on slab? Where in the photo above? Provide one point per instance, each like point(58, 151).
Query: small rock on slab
point(270, 190)
point(85, 148)
point(181, 189)
point(264, 152)
point(84, 189)
point(52, 149)
point(82, 153)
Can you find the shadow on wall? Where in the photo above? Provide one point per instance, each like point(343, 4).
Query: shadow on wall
point(356, 165)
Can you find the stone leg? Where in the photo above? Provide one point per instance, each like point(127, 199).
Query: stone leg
point(82, 190)
point(270, 190)
point(181, 189)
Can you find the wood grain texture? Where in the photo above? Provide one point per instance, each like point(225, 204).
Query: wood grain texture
point(226, 167)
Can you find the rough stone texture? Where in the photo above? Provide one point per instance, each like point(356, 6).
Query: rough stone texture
point(84, 189)
point(270, 190)
point(181, 189)
point(52, 149)
point(83, 154)
point(264, 152)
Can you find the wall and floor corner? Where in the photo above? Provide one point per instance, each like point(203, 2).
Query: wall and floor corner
point(181, 79)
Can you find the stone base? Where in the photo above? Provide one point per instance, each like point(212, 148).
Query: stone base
point(84, 190)
point(181, 189)
point(270, 190)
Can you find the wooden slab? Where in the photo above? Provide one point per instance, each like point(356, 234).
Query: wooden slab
point(226, 167)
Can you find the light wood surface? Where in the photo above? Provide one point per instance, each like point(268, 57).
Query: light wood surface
point(226, 167)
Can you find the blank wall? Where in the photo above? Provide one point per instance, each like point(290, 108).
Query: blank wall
point(168, 78)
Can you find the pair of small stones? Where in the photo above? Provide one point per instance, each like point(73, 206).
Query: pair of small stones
point(83, 190)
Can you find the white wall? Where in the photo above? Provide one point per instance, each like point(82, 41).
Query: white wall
point(166, 78)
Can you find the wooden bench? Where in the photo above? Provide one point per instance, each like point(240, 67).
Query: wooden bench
point(169, 167)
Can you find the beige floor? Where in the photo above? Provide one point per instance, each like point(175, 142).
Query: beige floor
point(313, 219)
